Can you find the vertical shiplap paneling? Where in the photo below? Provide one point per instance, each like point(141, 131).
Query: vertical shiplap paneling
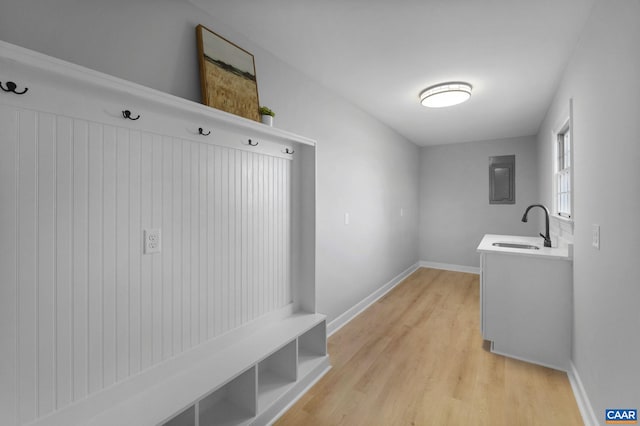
point(122, 253)
point(146, 262)
point(96, 256)
point(168, 237)
point(286, 234)
point(233, 243)
point(269, 255)
point(27, 271)
point(203, 248)
point(135, 252)
point(64, 258)
point(185, 250)
point(85, 306)
point(46, 263)
point(237, 238)
point(260, 211)
point(8, 264)
point(275, 238)
point(157, 221)
point(109, 256)
point(211, 237)
point(251, 229)
point(178, 244)
point(224, 232)
point(244, 256)
point(80, 232)
point(194, 243)
point(218, 240)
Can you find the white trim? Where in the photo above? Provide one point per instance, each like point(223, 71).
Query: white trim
point(356, 309)
point(450, 267)
point(584, 405)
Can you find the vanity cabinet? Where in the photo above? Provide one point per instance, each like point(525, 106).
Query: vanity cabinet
point(526, 303)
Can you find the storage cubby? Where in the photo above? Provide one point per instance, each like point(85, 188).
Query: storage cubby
point(232, 404)
point(276, 373)
point(312, 348)
point(186, 418)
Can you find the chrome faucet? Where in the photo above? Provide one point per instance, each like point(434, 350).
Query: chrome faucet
point(547, 238)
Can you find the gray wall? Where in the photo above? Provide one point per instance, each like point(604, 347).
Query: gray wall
point(454, 198)
point(364, 168)
point(602, 79)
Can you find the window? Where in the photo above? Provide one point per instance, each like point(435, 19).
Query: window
point(563, 183)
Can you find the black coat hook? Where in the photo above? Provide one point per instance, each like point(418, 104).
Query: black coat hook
point(127, 114)
point(11, 87)
point(253, 143)
point(201, 132)
point(288, 151)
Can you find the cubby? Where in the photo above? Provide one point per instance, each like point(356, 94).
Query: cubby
point(186, 418)
point(232, 404)
point(312, 348)
point(276, 373)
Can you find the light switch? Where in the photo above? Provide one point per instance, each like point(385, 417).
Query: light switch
point(346, 218)
point(595, 236)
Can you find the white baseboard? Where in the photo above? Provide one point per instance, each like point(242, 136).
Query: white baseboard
point(355, 310)
point(450, 267)
point(584, 405)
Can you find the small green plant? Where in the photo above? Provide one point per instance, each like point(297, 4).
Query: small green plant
point(266, 111)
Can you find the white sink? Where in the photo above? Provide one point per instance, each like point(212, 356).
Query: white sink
point(515, 245)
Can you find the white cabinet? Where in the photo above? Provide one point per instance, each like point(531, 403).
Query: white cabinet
point(526, 305)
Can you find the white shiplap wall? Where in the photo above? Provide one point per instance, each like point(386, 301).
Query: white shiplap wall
point(84, 307)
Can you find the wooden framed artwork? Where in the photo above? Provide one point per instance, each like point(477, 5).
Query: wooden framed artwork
point(227, 75)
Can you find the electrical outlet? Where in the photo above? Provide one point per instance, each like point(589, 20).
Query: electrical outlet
point(595, 236)
point(152, 241)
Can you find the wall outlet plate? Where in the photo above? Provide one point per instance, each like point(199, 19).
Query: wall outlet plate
point(595, 236)
point(152, 241)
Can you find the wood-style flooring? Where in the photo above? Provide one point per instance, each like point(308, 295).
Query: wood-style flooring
point(416, 357)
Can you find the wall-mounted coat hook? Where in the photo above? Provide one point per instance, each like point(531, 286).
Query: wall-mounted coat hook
point(288, 151)
point(252, 143)
point(201, 132)
point(11, 87)
point(127, 114)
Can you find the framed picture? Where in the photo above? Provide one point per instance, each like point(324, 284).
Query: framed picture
point(227, 75)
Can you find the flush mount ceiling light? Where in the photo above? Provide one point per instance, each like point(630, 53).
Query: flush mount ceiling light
point(445, 94)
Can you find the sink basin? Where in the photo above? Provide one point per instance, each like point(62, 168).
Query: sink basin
point(516, 245)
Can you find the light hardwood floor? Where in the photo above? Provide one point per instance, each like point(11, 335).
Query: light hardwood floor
point(416, 357)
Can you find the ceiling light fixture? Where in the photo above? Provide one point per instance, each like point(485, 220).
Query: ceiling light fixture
point(445, 94)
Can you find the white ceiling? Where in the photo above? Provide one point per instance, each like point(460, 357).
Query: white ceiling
point(380, 54)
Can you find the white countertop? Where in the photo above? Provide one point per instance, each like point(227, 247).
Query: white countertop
point(486, 246)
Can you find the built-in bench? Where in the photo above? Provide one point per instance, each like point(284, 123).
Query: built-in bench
point(219, 326)
point(247, 376)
